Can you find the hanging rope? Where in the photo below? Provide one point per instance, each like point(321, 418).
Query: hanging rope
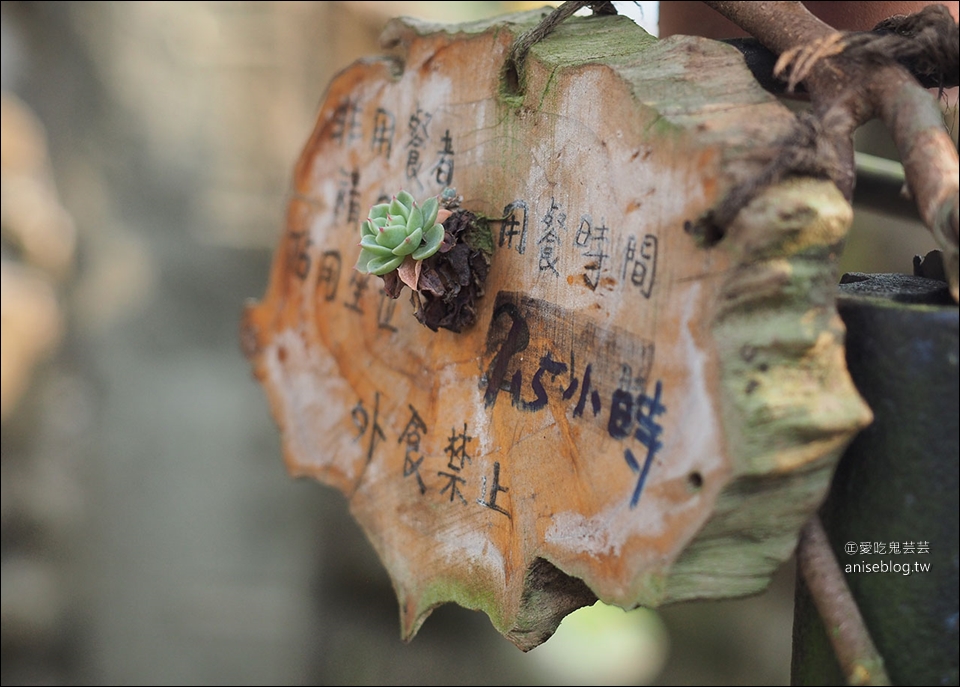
point(518, 52)
point(928, 42)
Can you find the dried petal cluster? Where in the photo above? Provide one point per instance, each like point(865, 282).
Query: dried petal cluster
point(397, 229)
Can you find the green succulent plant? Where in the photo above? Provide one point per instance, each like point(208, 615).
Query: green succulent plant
point(397, 229)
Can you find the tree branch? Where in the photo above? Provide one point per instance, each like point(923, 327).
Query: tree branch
point(846, 92)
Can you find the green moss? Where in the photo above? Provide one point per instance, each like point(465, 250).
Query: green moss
point(510, 100)
point(579, 40)
point(582, 40)
point(546, 89)
point(473, 591)
point(654, 587)
point(479, 237)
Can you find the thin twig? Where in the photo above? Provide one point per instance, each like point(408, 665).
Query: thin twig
point(930, 162)
point(858, 657)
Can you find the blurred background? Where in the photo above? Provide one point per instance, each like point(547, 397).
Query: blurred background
point(150, 534)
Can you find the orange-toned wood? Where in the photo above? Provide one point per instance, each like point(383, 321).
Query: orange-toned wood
point(636, 416)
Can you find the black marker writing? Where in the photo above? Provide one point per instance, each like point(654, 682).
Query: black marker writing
point(495, 488)
point(362, 421)
point(511, 227)
point(412, 457)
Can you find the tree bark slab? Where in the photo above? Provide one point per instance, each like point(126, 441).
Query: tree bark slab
point(640, 414)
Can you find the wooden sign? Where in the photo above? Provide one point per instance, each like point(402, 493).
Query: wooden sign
point(640, 413)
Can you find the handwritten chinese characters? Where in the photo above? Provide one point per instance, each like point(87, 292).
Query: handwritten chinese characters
point(445, 476)
point(538, 356)
point(443, 169)
point(599, 412)
point(532, 351)
point(554, 222)
point(416, 142)
point(346, 208)
point(412, 456)
point(384, 128)
point(513, 226)
point(381, 133)
point(593, 243)
point(361, 417)
point(640, 263)
point(624, 408)
point(347, 124)
point(591, 248)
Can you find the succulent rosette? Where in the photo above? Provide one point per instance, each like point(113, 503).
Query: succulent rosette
point(396, 230)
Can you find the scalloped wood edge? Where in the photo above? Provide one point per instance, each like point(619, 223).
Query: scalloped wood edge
point(757, 404)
